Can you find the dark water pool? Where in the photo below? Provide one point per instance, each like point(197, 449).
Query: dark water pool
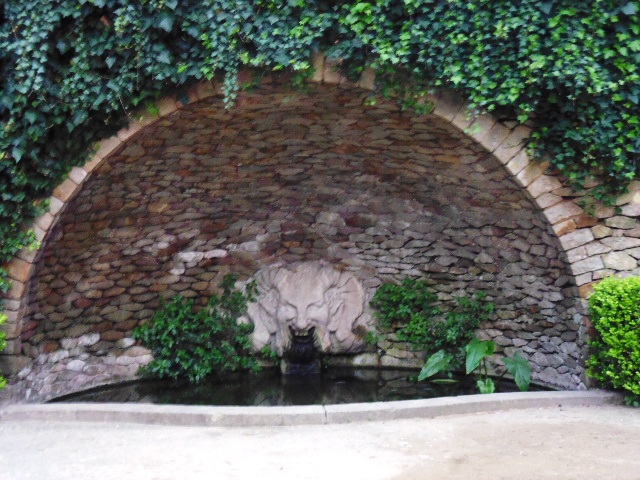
point(269, 388)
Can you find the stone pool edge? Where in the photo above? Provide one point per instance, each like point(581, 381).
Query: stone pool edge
point(209, 416)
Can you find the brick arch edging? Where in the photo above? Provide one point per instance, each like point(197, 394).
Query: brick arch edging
point(596, 246)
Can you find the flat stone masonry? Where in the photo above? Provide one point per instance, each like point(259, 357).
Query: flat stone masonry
point(613, 248)
point(289, 177)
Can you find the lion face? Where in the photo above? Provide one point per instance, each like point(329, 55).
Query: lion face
point(307, 301)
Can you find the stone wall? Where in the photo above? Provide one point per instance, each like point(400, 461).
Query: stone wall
point(289, 177)
point(594, 246)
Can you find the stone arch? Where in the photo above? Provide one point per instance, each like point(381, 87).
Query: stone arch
point(595, 247)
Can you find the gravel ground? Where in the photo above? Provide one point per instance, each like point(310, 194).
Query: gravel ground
point(552, 443)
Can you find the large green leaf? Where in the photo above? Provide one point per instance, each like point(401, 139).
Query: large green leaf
point(476, 350)
point(486, 385)
point(520, 369)
point(436, 363)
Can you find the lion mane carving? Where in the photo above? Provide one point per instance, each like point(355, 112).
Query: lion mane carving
point(310, 298)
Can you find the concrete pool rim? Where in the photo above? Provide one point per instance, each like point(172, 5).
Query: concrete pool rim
point(230, 416)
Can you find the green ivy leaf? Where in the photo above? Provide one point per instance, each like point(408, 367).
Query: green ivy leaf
point(630, 8)
point(166, 22)
point(164, 57)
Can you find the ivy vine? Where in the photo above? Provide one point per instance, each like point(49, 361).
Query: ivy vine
point(72, 72)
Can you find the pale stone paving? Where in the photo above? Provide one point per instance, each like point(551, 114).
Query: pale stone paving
point(577, 443)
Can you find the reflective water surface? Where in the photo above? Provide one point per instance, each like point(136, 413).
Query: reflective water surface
point(269, 388)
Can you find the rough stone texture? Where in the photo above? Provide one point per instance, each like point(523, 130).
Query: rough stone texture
point(288, 177)
point(559, 205)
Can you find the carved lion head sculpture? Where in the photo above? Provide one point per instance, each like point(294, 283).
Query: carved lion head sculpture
point(309, 298)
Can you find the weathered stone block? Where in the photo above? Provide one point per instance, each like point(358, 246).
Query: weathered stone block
point(588, 265)
point(76, 365)
point(77, 175)
point(531, 172)
point(489, 132)
point(601, 231)
point(104, 148)
point(621, 243)
point(134, 127)
point(331, 75)
point(462, 119)
point(88, 340)
point(207, 89)
point(597, 248)
point(317, 61)
point(518, 163)
point(620, 261)
point(562, 211)
point(542, 185)
point(513, 144)
point(166, 106)
point(19, 270)
point(565, 227)
point(16, 291)
point(632, 210)
point(367, 79)
point(577, 254)
point(12, 364)
point(624, 223)
point(584, 278)
point(576, 238)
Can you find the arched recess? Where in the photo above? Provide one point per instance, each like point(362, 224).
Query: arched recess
point(594, 247)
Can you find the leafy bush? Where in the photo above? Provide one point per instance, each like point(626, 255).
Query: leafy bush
point(614, 357)
point(402, 303)
point(410, 308)
point(196, 344)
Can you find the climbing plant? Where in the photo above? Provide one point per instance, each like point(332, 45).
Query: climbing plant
point(571, 68)
point(73, 71)
point(412, 312)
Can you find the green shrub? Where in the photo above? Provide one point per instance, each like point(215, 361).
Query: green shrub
point(411, 309)
point(196, 344)
point(614, 357)
point(402, 303)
